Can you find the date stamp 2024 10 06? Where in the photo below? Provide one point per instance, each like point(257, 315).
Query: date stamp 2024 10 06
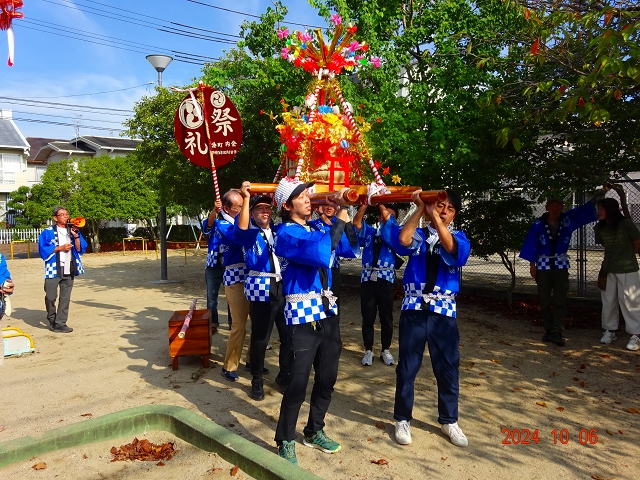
point(524, 436)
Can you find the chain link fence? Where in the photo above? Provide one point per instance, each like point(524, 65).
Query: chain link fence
point(586, 256)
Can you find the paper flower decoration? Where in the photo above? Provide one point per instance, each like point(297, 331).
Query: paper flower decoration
point(317, 57)
point(396, 179)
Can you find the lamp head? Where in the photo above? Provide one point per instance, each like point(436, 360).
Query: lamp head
point(159, 62)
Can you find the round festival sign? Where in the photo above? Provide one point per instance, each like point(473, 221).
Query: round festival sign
point(224, 128)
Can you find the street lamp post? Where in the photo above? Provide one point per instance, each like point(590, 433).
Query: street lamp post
point(160, 63)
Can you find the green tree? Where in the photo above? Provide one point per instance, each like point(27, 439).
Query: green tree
point(56, 189)
point(111, 188)
point(497, 224)
point(571, 72)
point(16, 206)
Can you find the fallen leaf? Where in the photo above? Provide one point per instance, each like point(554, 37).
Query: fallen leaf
point(560, 409)
point(234, 470)
point(443, 458)
point(84, 456)
point(176, 386)
point(380, 425)
point(609, 432)
point(539, 351)
point(554, 374)
point(160, 463)
point(380, 461)
point(369, 439)
point(518, 388)
point(495, 360)
point(87, 415)
point(620, 432)
point(570, 390)
point(39, 466)
point(605, 356)
point(542, 404)
point(582, 384)
point(482, 373)
point(143, 450)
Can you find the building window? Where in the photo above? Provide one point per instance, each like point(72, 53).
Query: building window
point(10, 164)
point(39, 172)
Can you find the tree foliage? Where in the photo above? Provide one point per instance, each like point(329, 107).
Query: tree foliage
point(97, 188)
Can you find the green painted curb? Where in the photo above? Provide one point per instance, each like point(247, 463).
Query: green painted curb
point(184, 424)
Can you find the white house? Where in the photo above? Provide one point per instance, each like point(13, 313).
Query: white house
point(14, 150)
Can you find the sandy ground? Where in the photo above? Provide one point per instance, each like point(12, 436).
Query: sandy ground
point(117, 357)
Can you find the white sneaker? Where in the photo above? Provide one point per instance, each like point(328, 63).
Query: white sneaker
point(634, 343)
point(403, 432)
point(454, 432)
point(608, 337)
point(386, 357)
point(367, 360)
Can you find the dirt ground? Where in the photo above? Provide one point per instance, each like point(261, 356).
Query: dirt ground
point(511, 383)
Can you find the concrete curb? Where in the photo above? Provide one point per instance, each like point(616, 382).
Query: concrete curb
point(184, 424)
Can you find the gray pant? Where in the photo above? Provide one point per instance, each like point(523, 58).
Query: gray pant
point(59, 318)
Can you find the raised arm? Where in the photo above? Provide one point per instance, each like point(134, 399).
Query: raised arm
point(243, 217)
point(357, 220)
point(406, 234)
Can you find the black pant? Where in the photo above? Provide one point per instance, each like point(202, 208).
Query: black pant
point(321, 347)
point(376, 297)
point(263, 316)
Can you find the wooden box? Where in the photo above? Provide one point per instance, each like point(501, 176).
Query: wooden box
point(197, 339)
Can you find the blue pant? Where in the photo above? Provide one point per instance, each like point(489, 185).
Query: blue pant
point(213, 279)
point(417, 329)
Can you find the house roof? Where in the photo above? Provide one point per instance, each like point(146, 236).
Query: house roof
point(36, 144)
point(109, 143)
point(10, 136)
point(61, 146)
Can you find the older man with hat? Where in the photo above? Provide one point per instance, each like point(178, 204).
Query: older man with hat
point(546, 248)
point(262, 286)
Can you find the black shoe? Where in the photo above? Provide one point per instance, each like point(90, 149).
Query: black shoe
point(282, 382)
point(247, 368)
point(257, 390)
point(62, 329)
point(545, 337)
point(556, 338)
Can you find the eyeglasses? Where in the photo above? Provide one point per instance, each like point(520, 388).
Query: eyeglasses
point(62, 215)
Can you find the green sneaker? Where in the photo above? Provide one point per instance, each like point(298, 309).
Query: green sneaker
point(322, 442)
point(288, 451)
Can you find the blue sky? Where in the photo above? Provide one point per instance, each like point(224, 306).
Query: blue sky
point(65, 53)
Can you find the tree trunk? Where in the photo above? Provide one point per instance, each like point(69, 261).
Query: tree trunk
point(509, 265)
point(94, 237)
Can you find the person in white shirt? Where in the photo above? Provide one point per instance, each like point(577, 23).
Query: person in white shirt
point(60, 247)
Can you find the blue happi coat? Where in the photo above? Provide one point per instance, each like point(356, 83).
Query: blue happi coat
point(550, 253)
point(344, 249)
point(257, 285)
point(213, 244)
point(385, 266)
point(47, 243)
point(425, 249)
point(306, 249)
point(232, 253)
